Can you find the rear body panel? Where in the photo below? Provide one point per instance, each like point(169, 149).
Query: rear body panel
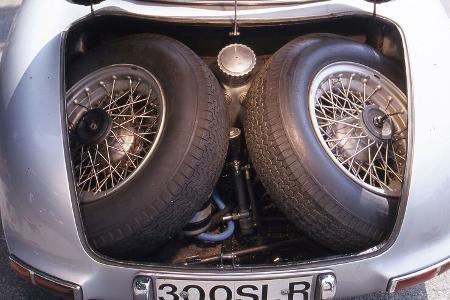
point(38, 203)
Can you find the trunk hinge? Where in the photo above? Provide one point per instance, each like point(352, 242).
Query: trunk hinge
point(235, 31)
point(87, 2)
point(374, 13)
point(93, 20)
point(92, 10)
point(375, 29)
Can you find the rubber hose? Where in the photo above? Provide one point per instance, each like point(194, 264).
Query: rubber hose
point(218, 237)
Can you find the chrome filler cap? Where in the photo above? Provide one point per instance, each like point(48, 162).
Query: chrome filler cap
point(236, 60)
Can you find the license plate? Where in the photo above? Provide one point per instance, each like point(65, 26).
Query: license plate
point(297, 288)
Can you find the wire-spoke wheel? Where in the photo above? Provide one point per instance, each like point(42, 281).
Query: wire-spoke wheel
point(360, 118)
point(148, 136)
point(116, 116)
point(326, 127)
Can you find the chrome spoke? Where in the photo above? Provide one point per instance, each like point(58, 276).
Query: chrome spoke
point(126, 105)
point(343, 138)
point(372, 161)
point(131, 132)
point(347, 138)
point(123, 148)
point(93, 167)
point(330, 122)
point(363, 149)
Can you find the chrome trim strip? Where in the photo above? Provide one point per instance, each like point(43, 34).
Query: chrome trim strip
point(231, 2)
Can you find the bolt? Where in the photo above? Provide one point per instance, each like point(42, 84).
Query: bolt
point(285, 292)
point(234, 133)
point(379, 120)
point(242, 98)
point(184, 295)
point(141, 284)
point(93, 126)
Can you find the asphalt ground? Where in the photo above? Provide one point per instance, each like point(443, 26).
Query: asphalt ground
point(14, 288)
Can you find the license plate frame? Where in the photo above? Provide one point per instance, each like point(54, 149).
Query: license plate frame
point(294, 287)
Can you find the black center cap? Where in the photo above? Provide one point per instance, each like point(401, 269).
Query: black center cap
point(94, 126)
point(376, 123)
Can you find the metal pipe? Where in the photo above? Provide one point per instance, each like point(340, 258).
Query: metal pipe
point(234, 217)
point(235, 153)
point(252, 198)
point(245, 224)
point(244, 252)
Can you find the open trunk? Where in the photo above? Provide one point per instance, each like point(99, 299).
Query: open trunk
point(264, 234)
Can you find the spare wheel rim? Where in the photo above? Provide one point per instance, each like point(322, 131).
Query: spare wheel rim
point(116, 116)
point(360, 118)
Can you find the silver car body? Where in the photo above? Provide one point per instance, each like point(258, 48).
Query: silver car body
point(38, 203)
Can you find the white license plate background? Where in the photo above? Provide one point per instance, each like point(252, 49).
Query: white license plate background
point(273, 289)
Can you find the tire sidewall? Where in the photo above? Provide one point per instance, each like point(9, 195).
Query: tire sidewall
point(180, 88)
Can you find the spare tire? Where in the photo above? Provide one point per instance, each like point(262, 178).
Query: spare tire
point(326, 130)
point(148, 136)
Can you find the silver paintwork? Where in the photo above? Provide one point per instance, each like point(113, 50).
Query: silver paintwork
point(327, 286)
point(38, 207)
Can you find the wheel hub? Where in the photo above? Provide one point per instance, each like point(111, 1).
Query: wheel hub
point(93, 127)
point(376, 123)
